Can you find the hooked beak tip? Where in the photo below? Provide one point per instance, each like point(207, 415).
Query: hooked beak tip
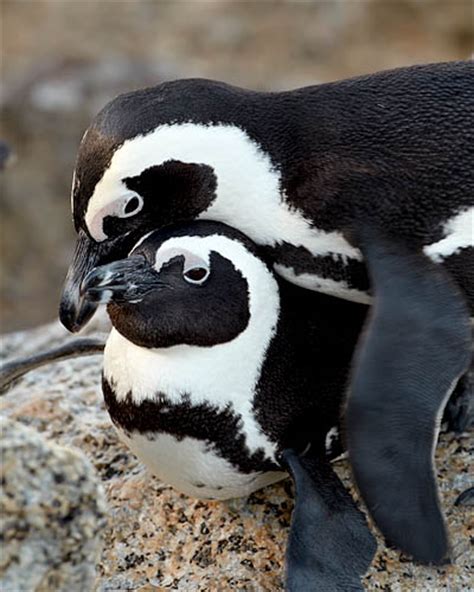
point(75, 316)
point(75, 310)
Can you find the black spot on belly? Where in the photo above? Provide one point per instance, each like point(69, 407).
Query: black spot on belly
point(214, 487)
point(334, 267)
point(220, 429)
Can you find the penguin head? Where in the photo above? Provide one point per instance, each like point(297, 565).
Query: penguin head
point(156, 157)
point(200, 284)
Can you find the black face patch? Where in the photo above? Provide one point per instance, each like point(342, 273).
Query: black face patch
point(173, 192)
point(215, 311)
point(222, 428)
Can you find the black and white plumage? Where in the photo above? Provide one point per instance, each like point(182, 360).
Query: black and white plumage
point(363, 189)
point(221, 378)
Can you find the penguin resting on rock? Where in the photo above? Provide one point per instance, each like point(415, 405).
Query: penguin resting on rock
point(221, 378)
point(362, 189)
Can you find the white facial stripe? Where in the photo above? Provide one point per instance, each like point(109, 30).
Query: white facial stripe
point(216, 146)
point(459, 234)
point(248, 184)
point(223, 374)
point(95, 225)
point(141, 241)
point(73, 184)
point(74, 181)
point(114, 208)
point(168, 252)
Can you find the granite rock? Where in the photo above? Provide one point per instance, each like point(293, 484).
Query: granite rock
point(157, 539)
point(53, 513)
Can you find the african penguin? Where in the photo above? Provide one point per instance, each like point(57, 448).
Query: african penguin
point(361, 188)
point(220, 378)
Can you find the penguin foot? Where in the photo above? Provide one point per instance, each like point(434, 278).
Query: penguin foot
point(330, 546)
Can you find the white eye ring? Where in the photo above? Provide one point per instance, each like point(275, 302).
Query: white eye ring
point(199, 278)
point(136, 209)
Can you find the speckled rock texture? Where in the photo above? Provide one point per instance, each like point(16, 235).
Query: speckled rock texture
point(157, 539)
point(52, 509)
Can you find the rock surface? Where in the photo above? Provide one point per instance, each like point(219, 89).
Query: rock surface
point(53, 513)
point(157, 540)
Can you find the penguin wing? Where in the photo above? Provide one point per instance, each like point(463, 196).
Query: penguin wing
point(330, 546)
point(415, 347)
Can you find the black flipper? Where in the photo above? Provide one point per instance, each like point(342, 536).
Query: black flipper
point(82, 346)
point(415, 347)
point(330, 546)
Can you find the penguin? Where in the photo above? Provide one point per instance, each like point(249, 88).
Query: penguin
point(223, 379)
point(362, 189)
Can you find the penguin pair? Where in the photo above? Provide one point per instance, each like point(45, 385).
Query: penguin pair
point(221, 378)
point(362, 189)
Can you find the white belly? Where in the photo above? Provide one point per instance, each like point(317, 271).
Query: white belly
point(192, 467)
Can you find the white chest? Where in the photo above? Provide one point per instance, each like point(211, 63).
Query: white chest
point(223, 376)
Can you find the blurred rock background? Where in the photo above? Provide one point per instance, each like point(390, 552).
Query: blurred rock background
point(62, 60)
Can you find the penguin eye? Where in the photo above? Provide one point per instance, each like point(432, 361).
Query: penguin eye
point(196, 275)
point(132, 206)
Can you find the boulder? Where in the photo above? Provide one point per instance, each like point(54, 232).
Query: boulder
point(53, 514)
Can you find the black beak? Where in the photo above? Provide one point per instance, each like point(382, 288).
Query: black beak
point(74, 310)
point(127, 280)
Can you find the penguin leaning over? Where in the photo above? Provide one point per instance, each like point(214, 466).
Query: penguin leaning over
point(362, 189)
point(221, 378)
